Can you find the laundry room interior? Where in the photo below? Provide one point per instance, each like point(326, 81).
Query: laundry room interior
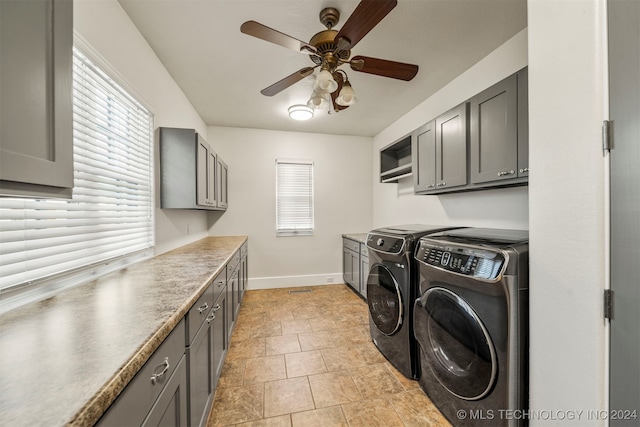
point(448, 238)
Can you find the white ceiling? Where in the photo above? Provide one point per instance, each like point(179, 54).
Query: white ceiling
point(222, 71)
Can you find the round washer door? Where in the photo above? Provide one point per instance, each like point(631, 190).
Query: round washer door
point(384, 299)
point(459, 349)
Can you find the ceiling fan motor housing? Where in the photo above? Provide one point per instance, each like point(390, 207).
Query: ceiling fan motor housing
point(324, 42)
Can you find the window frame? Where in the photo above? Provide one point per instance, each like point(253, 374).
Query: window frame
point(284, 223)
point(37, 288)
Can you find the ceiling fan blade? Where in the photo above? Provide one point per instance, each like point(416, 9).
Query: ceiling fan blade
point(382, 67)
point(263, 32)
point(281, 85)
point(366, 16)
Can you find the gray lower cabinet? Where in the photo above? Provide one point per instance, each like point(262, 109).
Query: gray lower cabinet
point(244, 270)
point(177, 385)
point(165, 370)
point(364, 269)
point(220, 337)
point(355, 265)
point(499, 131)
point(36, 113)
point(351, 263)
point(171, 407)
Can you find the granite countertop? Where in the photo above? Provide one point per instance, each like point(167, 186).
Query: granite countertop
point(64, 360)
point(358, 237)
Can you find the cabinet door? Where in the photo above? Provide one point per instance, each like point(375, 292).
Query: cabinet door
point(424, 158)
point(451, 148)
point(364, 273)
point(494, 132)
point(347, 268)
point(202, 172)
point(200, 372)
point(36, 131)
point(212, 165)
point(220, 337)
point(170, 410)
point(523, 122)
point(223, 172)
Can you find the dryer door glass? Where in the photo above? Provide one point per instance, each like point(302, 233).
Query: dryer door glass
point(384, 299)
point(459, 350)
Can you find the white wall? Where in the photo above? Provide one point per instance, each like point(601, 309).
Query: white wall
point(503, 208)
point(342, 190)
point(104, 29)
point(567, 208)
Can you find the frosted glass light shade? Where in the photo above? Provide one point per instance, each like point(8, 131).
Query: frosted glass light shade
point(318, 100)
point(300, 112)
point(347, 96)
point(325, 82)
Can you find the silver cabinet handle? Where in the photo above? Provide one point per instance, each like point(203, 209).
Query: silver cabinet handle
point(220, 282)
point(203, 307)
point(441, 184)
point(503, 173)
point(155, 377)
point(431, 186)
point(211, 317)
point(216, 307)
point(523, 170)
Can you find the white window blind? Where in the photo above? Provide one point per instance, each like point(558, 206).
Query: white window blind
point(294, 197)
point(111, 212)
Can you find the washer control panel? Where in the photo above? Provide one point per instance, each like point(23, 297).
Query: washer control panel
point(478, 263)
point(385, 243)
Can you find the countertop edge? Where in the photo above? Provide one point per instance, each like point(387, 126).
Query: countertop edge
point(98, 404)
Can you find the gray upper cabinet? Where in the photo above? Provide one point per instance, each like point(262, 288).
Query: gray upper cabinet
point(221, 184)
point(440, 147)
point(499, 131)
point(482, 143)
point(36, 131)
point(451, 148)
point(424, 158)
point(189, 170)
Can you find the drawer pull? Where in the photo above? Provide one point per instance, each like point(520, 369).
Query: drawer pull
point(220, 282)
point(523, 170)
point(216, 307)
point(203, 307)
point(155, 377)
point(503, 173)
point(211, 317)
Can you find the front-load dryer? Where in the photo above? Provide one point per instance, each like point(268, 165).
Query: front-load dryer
point(392, 288)
point(471, 325)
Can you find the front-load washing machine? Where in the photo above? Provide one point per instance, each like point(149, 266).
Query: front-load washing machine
point(391, 291)
point(471, 324)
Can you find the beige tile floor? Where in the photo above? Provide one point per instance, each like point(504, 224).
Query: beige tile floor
point(306, 359)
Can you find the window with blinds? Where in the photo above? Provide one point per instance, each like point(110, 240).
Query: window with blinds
point(294, 197)
point(110, 215)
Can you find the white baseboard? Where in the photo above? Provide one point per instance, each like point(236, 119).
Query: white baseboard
point(294, 281)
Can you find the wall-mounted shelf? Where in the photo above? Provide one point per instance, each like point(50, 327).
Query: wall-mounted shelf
point(395, 160)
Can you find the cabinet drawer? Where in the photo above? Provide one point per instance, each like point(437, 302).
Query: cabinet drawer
point(243, 250)
point(198, 313)
point(234, 261)
point(351, 244)
point(135, 402)
point(219, 283)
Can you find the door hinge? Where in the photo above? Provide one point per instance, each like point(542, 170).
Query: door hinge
point(608, 304)
point(606, 135)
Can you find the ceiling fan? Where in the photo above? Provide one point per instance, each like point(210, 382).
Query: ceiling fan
point(329, 49)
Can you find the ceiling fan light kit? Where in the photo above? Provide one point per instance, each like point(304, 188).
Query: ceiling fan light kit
point(300, 112)
point(330, 49)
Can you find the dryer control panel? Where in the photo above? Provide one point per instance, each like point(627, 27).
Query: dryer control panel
point(385, 243)
point(479, 263)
